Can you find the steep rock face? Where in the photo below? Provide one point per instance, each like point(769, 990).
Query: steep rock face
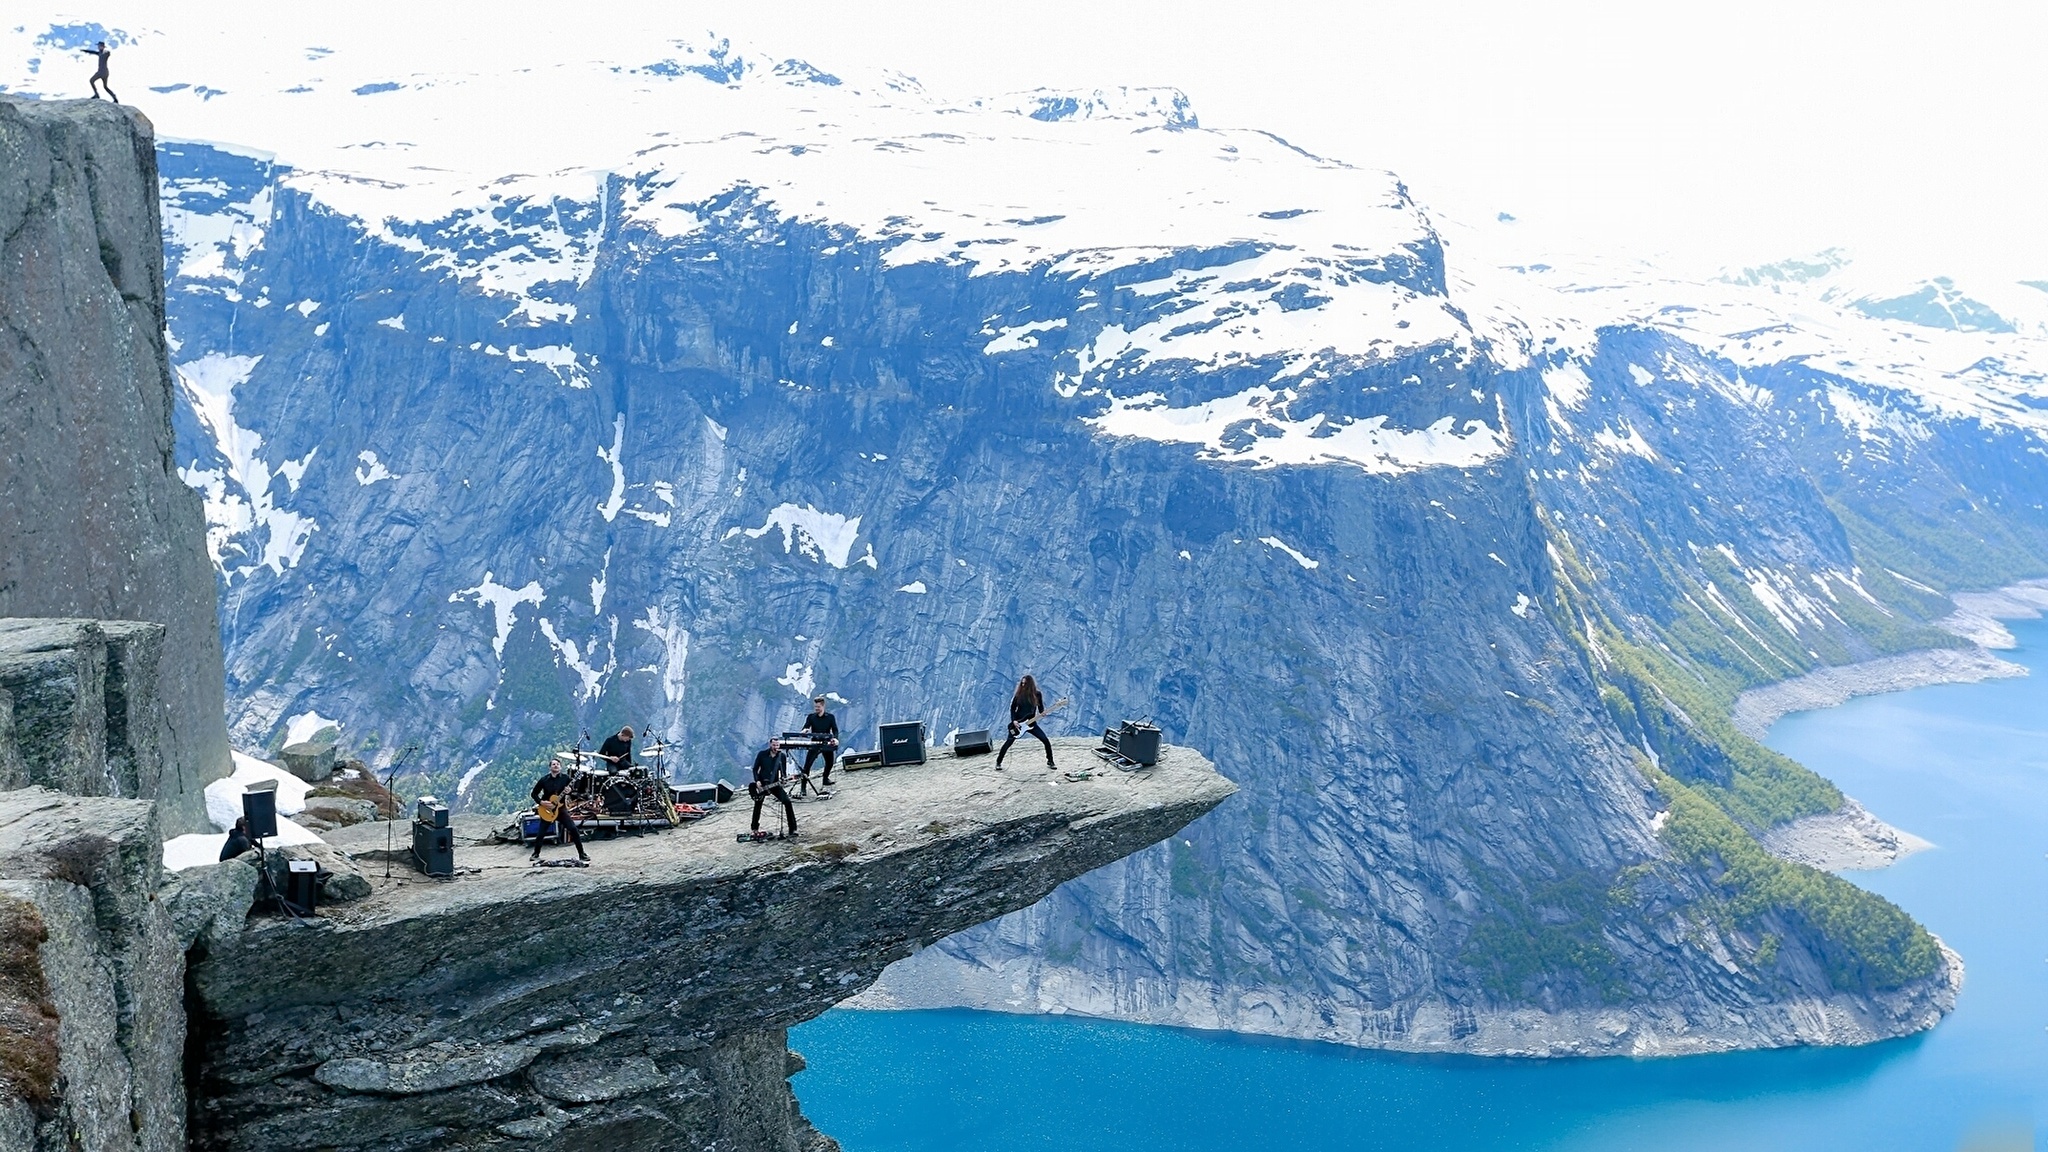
point(641, 1002)
point(112, 968)
point(96, 521)
point(777, 462)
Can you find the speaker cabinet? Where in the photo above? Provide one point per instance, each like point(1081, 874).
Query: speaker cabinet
point(431, 811)
point(902, 743)
point(259, 808)
point(433, 848)
point(1138, 741)
point(301, 885)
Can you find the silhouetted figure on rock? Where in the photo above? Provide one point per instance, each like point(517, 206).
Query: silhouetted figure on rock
point(99, 77)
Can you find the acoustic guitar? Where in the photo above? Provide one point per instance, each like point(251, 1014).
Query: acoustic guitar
point(550, 809)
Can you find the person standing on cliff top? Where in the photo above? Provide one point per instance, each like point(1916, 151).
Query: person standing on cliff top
point(99, 77)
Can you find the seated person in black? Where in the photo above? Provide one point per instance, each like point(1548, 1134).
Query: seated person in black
point(617, 751)
point(238, 839)
point(549, 787)
point(825, 726)
point(770, 766)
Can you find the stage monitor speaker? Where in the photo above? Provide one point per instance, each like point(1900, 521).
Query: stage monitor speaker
point(1139, 741)
point(259, 808)
point(431, 811)
point(301, 885)
point(972, 744)
point(433, 849)
point(902, 743)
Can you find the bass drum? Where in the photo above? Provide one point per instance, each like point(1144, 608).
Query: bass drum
point(619, 797)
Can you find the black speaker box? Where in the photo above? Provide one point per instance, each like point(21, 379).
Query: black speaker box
point(301, 885)
point(972, 744)
point(902, 743)
point(259, 808)
point(1138, 741)
point(433, 849)
point(431, 811)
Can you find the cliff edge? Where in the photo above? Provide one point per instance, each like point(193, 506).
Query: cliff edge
point(95, 520)
point(642, 1002)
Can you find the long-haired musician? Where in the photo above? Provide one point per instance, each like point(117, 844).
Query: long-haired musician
point(1027, 705)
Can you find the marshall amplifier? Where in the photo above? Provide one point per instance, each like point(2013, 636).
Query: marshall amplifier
point(972, 744)
point(859, 761)
point(902, 743)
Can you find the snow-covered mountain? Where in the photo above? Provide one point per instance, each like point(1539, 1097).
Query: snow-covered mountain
point(542, 379)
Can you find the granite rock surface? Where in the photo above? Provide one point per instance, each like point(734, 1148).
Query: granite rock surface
point(96, 520)
point(641, 1002)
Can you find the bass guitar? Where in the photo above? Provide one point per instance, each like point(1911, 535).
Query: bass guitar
point(1021, 725)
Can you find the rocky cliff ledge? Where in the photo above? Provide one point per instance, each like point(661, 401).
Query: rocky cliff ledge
point(640, 1003)
point(94, 519)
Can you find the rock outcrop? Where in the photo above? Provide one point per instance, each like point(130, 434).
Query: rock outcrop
point(642, 1002)
point(87, 870)
point(95, 519)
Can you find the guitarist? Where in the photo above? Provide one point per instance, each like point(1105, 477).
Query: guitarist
point(770, 766)
point(1027, 707)
point(552, 808)
point(617, 751)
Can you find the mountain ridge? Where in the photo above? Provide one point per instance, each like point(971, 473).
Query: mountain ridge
point(1455, 557)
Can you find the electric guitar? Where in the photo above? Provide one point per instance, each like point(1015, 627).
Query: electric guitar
point(1021, 725)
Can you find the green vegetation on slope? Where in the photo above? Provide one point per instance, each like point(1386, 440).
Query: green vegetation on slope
point(1684, 719)
point(1868, 943)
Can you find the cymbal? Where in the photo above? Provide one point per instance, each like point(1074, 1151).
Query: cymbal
point(654, 749)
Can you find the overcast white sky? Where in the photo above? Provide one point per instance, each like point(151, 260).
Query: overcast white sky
point(1728, 131)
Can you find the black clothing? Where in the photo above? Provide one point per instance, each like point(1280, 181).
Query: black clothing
point(1025, 708)
point(1015, 731)
point(545, 788)
point(617, 752)
point(236, 845)
point(811, 757)
point(824, 725)
point(770, 767)
point(761, 794)
point(1024, 713)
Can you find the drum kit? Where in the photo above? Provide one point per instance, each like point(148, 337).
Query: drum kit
point(605, 797)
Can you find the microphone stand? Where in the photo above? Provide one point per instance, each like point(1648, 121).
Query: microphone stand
point(391, 778)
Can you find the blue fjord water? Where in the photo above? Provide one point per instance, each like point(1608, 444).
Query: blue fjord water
point(1965, 766)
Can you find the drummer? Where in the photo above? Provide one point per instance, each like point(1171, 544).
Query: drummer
point(617, 751)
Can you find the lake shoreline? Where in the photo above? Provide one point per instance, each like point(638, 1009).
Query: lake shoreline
point(1850, 838)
